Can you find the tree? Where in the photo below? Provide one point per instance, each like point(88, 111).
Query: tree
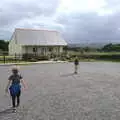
point(4, 45)
point(107, 48)
point(111, 47)
point(87, 49)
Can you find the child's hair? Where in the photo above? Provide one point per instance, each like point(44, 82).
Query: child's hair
point(15, 69)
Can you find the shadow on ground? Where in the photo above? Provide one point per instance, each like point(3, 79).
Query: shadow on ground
point(6, 112)
point(67, 75)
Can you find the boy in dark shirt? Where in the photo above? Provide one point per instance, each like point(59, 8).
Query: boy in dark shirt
point(14, 86)
point(76, 63)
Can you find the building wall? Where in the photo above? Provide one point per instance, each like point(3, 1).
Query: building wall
point(29, 49)
point(61, 49)
point(42, 50)
point(18, 49)
point(11, 46)
point(14, 48)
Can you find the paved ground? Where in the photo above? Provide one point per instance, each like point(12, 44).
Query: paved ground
point(55, 93)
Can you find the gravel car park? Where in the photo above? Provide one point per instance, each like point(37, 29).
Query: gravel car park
point(56, 93)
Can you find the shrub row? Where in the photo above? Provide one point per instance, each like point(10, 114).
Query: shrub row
point(115, 57)
point(34, 58)
point(102, 57)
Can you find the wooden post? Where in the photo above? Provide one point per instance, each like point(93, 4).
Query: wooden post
point(4, 58)
point(15, 57)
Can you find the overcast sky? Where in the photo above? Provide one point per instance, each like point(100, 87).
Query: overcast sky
point(78, 20)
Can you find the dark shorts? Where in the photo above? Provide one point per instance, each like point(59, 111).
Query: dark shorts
point(15, 90)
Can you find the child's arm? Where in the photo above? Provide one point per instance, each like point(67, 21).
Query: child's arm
point(9, 82)
point(23, 83)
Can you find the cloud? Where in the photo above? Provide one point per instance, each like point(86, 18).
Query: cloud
point(81, 5)
point(100, 25)
point(91, 27)
point(21, 12)
point(78, 20)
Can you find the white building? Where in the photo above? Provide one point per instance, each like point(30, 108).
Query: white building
point(31, 41)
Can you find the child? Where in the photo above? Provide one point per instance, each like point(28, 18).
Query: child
point(76, 63)
point(14, 86)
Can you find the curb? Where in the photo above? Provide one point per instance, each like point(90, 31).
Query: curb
point(31, 63)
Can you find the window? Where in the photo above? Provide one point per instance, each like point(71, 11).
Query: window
point(34, 49)
point(42, 51)
point(50, 49)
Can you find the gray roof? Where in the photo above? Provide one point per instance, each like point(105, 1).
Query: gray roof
point(39, 37)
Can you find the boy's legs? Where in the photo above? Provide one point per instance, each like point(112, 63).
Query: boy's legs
point(76, 67)
point(13, 101)
point(18, 98)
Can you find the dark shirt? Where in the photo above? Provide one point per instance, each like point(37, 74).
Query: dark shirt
point(76, 62)
point(15, 78)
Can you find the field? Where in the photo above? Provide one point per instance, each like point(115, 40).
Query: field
point(55, 93)
point(86, 56)
point(95, 56)
point(95, 53)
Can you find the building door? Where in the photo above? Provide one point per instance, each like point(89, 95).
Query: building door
point(42, 51)
point(26, 49)
point(45, 51)
point(35, 50)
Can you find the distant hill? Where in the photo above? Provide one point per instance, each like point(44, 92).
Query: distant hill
point(93, 45)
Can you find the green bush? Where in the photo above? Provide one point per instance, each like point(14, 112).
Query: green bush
point(32, 57)
point(101, 57)
point(112, 57)
point(32, 60)
point(27, 57)
point(42, 58)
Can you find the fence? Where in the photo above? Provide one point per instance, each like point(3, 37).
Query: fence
point(4, 58)
point(17, 58)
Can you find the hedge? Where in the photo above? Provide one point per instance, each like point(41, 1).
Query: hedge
point(33, 58)
point(113, 57)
